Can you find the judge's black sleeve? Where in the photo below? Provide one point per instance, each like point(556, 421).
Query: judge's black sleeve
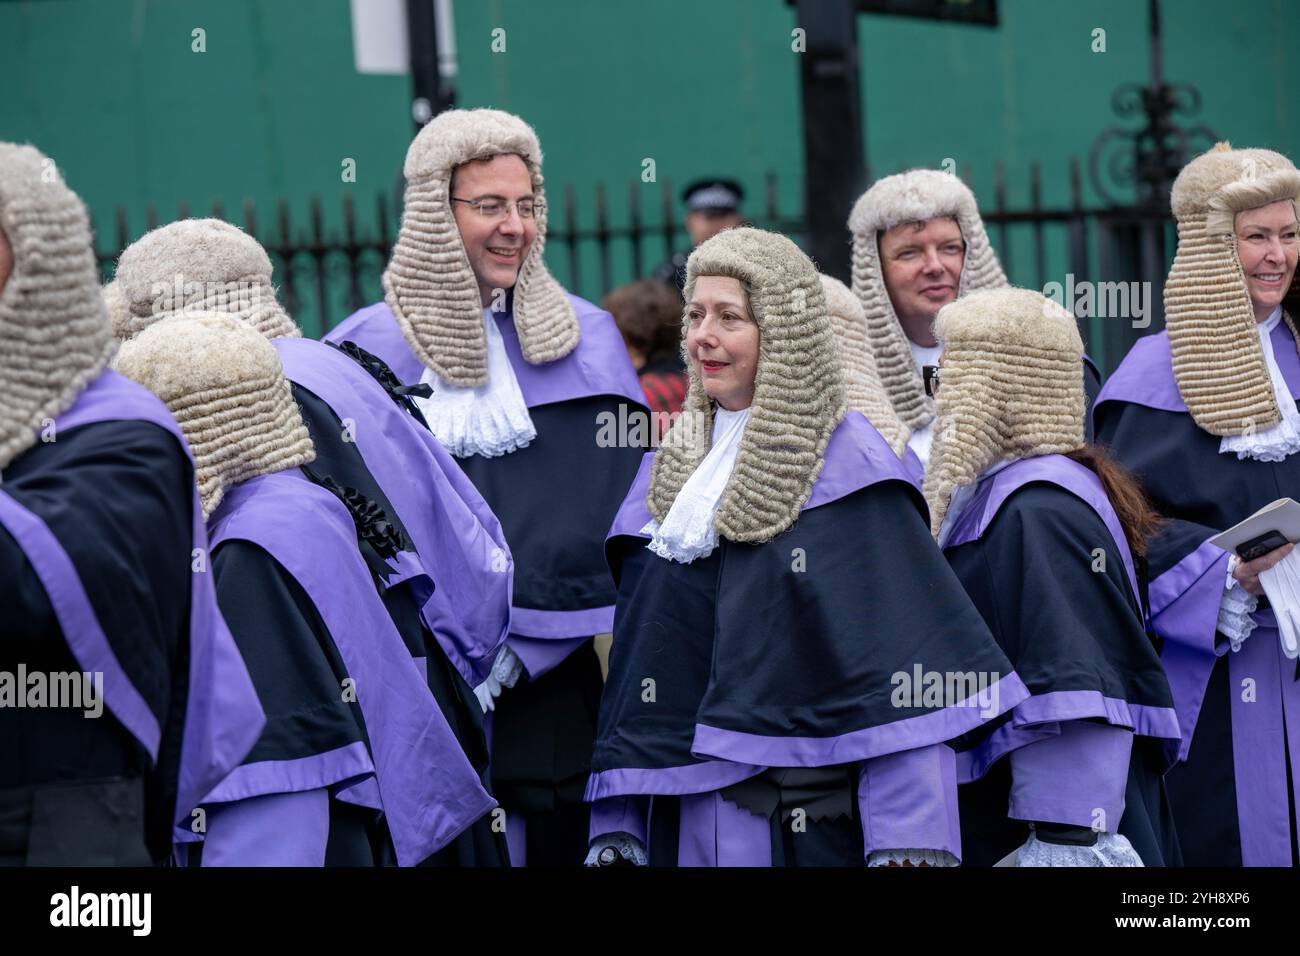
point(117, 495)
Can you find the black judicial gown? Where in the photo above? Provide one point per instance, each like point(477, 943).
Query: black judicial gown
point(759, 685)
point(117, 495)
point(1072, 626)
point(1234, 794)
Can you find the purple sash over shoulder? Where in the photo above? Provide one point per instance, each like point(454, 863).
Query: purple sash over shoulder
point(429, 791)
point(1057, 470)
point(598, 365)
point(223, 718)
point(1032, 718)
point(1145, 377)
point(856, 457)
point(458, 538)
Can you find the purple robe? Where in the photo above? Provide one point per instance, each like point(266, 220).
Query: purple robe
point(906, 773)
point(1201, 492)
point(222, 715)
point(426, 788)
point(456, 535)
point(597, 366)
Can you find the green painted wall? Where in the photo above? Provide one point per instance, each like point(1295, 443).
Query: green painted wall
point(112, 90)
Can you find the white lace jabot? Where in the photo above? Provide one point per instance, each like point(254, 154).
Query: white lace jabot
point(687, 532)
point(488, 420)
point(1283, 439)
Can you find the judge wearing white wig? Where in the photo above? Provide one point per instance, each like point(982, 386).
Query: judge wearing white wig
point(99, 520)
point(756, 711)
point(1043, 531)
point(1205, 414)
point(523, 374)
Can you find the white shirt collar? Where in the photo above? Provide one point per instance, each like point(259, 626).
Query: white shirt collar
point(922, 439)
point(925, 354)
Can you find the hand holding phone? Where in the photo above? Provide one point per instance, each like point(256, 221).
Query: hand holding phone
point(1260, 546)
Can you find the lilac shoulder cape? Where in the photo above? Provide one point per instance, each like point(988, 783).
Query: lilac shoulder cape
point(223, 718)
point(428, 790)
point(732, 736)
point(1058, 470)
point(458, 539)
point(1146, 376)
point(598, 365)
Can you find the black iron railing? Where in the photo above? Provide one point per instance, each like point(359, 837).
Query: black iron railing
point(324, 273)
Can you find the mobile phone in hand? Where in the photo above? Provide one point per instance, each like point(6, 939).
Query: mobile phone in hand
point(1258, 547)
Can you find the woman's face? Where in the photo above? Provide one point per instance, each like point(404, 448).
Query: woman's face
point(722, 340)
point(1266, 246)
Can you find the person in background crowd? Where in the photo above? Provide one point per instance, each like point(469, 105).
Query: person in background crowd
point(712, 205)
point(649, 316)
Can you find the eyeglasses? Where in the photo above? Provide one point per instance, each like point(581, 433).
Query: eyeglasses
point(494, 208)
point(930, 375)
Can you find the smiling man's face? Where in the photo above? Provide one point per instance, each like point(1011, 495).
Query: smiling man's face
point(496, 247)
point(921, 264)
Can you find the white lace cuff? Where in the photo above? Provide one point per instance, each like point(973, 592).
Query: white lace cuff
point(627, 846)
point(1235, 609)
point(508, 667)
point(914, 857)
point(505, 673)
point(1111, 849)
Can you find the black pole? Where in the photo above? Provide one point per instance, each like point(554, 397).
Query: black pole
point(1157, 54)
point(834, 171)
point(428, 98)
